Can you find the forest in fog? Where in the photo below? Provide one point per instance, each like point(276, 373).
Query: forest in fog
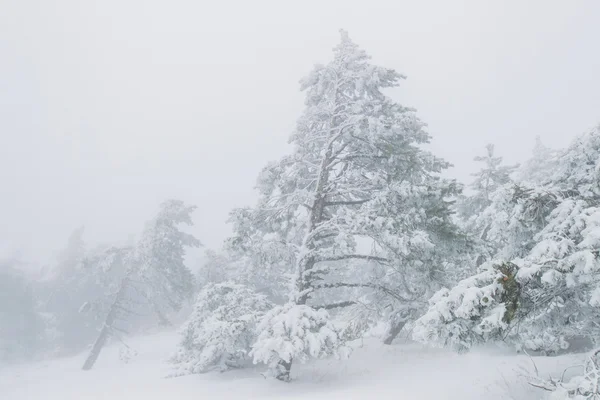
point(357, 235)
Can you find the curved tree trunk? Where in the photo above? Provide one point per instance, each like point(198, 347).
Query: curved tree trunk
point(283, 371)
point(397, 322)
point(106, 330)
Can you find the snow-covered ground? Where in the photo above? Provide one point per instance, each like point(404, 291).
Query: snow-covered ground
point(375, 371)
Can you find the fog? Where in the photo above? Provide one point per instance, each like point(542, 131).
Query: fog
point(360, 269)
point(109, 107)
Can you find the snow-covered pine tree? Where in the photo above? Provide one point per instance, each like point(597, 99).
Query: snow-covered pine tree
point(295, 332)
point(486, 181)
point(540, 167)
point(221, 330)
point(557, 271)
point(154, 269)
point(166, 281)
point(474, 209)
point(114, 258)
point(357, 173)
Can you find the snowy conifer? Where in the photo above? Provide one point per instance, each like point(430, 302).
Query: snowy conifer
point(491, 197)
point(154, 268)
point(558, 265)
point(159, 259)
point(486, 181)
point(295, 332)
point(357, 173)
point(221, 330)
point(540, 167)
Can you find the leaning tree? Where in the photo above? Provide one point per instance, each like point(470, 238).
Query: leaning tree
point(154, 270)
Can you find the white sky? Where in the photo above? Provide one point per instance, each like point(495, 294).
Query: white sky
point(109, 107)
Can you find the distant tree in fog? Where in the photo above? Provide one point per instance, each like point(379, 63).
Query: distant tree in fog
point(154, 269)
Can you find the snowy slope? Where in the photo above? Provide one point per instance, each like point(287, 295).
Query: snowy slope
point(401, 372)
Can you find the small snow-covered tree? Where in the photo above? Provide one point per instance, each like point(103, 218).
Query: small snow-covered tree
point(491, 195)
point(295, 332)
point(486, 182)
point(221, 330)
point(540, 167)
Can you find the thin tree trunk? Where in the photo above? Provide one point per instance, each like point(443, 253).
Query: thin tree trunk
point(106, 328)
point(394, 331)
point(96, 349)
point(481, 258)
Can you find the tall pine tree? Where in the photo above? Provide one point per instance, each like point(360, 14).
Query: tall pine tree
point(357, 186)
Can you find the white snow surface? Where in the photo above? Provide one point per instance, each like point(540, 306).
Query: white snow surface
point(405, 371)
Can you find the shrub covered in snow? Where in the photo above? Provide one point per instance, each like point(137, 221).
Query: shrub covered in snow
point(580, 387)
point(295, 332)
point(478, 309)
point(221, 330)
point(557, 296)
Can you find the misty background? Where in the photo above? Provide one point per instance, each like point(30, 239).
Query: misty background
point(109, 107)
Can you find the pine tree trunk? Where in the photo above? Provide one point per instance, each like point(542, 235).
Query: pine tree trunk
point(481, 258)
point(107, 327)
point(398, 321)
point(283, 371)
point(394, 331)
point(315, 218)
point(96, 349)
